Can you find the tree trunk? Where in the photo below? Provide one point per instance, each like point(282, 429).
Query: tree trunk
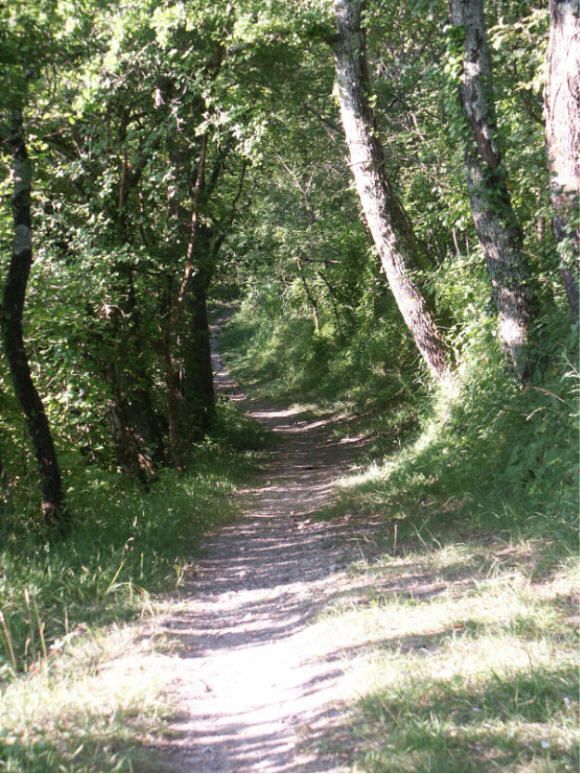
point(198, 385)
point(309, 296)
point(385, 217)
point(136, 383)
point(495, 221)
point(53, 509)
point(173, 391)
point(190, 317)
point(562, 112)
point(128, 444)
point(137, 435)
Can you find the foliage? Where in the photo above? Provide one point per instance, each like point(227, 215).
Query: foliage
point(191, 152)
point(467, 668)
point(282, 355)
point(127, 545)
point(117, 110)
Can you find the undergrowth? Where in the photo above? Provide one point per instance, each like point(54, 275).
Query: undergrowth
point(464, 606)
point(280, 355)
point(489, 456)
point(478, 452)
point(126, 545)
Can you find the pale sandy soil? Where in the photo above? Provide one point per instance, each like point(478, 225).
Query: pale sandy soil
point(255, 678)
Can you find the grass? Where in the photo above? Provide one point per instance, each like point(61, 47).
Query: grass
point(515, 719)
point(488, 459)
point(463, 615)
point(94, 708)
point(64, 607)
point(282, 357)
point(456, 663)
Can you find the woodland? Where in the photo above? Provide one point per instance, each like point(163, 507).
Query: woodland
point(380, 198)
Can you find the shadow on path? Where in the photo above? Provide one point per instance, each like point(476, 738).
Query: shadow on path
point(252, 679)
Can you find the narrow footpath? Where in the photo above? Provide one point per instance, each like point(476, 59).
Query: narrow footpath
point(256, 687)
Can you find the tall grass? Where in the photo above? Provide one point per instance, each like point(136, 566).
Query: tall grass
point(463, 613)
point(279, 353)
point(478, 452)
point(487, 456)
point(126, 545)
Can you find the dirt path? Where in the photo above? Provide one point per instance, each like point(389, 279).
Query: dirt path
point(254, 680)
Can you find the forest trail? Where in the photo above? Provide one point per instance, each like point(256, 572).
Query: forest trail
point(254, 678)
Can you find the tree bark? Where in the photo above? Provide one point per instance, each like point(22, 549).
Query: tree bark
point(309, 295)
point(495, 221)
point(131, 458)
point(188, 334)
point(135, 382)
point(562, 113)
point(384, 215)
point(53, 509)
point(198, 384)
point(137, 435)
point(174, 393)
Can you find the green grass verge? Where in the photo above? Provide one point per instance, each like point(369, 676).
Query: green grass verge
point(126, 546)
point(465, 609)
point(457, 661)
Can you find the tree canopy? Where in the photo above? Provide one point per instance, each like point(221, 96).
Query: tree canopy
point(185, 153)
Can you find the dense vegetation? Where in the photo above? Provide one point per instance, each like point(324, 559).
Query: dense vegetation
point(385, 191)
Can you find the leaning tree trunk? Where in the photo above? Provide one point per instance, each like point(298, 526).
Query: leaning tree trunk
point(562, 112)
point(53, 509)
point(384, 214)
point(495, 221)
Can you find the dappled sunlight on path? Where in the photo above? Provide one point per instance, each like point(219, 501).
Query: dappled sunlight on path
point(254, 675)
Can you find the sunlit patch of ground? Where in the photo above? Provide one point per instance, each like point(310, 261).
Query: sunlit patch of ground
point(93, 707)
point(456, 662)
